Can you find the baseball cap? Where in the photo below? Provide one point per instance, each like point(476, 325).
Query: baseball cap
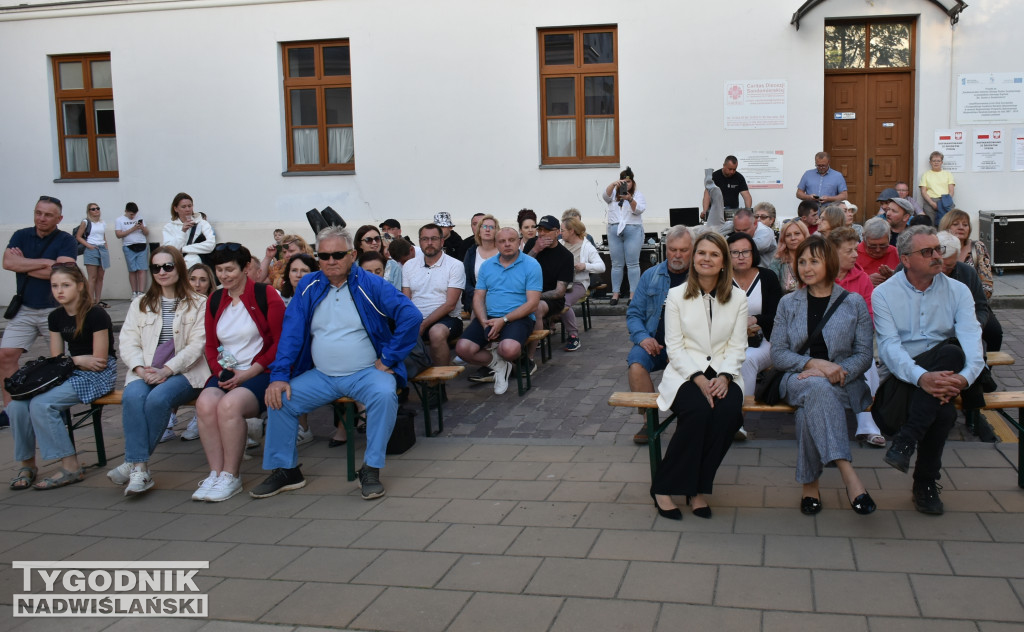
point(887, 195)
point(549, 222)
point(390, 223)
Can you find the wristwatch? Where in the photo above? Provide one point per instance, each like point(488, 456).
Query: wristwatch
point(505, 318)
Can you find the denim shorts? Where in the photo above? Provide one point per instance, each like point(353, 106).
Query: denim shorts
point(136, 260)
point(98, 256)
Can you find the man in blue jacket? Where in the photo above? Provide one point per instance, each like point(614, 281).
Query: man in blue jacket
point(645, 317)
point(336, 341)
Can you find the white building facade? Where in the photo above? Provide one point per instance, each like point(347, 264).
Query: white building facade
point(381, 109)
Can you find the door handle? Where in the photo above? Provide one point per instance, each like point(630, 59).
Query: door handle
point(871, 166)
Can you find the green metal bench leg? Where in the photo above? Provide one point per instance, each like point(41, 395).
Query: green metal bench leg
point(1020, 448)
point(653, 441)
point(431, 394)
point(346, 414)
point(585, 313)
point(97, 430)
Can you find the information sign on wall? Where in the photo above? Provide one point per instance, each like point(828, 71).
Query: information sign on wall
point(755, 104)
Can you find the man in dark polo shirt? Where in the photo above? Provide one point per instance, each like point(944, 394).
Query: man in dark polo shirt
point(557, 268)
point(733, 186)
point(31, 253)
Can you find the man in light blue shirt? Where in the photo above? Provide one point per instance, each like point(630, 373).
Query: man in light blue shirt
point(822, 184)
point(930, 340)
point(507, 293)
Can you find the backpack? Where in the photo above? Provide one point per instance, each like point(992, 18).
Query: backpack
point(39, 376)
point(85, 235)
point(261, 299)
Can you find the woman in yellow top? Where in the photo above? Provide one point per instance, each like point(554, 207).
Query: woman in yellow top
point(937, 188)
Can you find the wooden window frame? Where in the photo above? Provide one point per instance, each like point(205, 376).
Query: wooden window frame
point(579, 72)
point(89, 96)
point(867, 23)
point(320, 83)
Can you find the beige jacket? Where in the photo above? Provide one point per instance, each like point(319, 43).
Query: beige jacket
point(141, 332)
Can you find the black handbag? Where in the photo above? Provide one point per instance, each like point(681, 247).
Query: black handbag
point(13, 307)
point(39, 376)
point(769, 392)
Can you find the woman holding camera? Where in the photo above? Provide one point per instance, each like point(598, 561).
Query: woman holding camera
point(625, 231)
point(188, 231)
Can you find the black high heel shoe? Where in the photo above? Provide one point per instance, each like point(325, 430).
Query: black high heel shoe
point(863, 504)
point(700, 512)
point(671, 514)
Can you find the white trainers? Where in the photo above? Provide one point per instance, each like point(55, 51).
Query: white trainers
point(168, 436)
point(225, 487)
point(140, 481)
point(120, 474)
point(253, 432)
point(304, 436)
point(206, 486)
point(502, 370)
point(172, 421)
point(192, 431)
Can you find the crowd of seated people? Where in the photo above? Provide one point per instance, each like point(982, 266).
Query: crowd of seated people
point(244, 337)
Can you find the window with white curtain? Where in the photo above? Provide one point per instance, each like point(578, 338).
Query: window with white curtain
point(579, 95)
point(87, 142)
point(318, 105)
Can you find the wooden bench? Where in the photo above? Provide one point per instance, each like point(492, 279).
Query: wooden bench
point(429, 385)
point(648, 402)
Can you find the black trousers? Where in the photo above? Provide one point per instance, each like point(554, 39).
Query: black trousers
point(992, 334)
point(702, 437)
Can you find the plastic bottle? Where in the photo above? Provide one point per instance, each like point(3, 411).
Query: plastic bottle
point(228, 361)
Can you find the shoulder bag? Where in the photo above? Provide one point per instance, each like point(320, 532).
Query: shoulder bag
point(39, 376)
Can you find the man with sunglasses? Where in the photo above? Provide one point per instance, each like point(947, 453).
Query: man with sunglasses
point(930, 340)
point(31, 253)
point(336, 342)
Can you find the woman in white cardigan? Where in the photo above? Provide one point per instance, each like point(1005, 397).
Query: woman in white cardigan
point(162, 343)
point(188, 231)
point(706, 341)
point(586, 261)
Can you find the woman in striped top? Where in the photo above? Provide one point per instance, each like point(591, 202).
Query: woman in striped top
point(162, 343)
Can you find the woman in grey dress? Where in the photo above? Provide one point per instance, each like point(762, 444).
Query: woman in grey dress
point(827, 378)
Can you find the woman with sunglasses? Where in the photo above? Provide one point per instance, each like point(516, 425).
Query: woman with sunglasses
point(369, 239)
point(249, 329)
point(87, 331)
point(188, 231)
point(96, 257)
point(162, 343)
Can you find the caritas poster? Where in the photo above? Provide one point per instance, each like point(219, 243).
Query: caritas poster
point(953, 145)
point(755, 104)
point(989, 149)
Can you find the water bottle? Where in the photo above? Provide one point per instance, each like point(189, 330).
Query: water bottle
point(228, 361)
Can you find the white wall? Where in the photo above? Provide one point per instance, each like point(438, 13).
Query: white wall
point(445, 101)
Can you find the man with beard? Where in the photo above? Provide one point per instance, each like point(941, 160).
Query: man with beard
point(645, 317)
point(435, 286)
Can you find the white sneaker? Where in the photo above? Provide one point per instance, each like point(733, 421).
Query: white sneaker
point(225, 487)
point(120, 474)
point(502, 370)
point(304, 437)
point(192, 431)
point(173, 421)
point(253, 432)
point(741, 434)
point(140, 481)
point(205, 486)
point(168, 435)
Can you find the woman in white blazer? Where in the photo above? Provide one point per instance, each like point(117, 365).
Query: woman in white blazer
point(162, 343)
point(706, 341)
point(188, 231)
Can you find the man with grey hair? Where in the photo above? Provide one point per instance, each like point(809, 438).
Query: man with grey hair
point(339, 307)
point(875, 255)
point(645, 318)
point(764, 238)
point(930, 340)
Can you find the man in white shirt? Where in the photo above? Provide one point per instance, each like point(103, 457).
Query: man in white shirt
point(435, 286)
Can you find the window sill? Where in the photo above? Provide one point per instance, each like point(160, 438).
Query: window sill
point(69, 180)
point(299, 174)
point(600, 165)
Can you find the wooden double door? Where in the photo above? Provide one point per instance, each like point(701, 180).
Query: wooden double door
point(869, 122)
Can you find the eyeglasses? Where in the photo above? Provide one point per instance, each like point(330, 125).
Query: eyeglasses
point(487, 227)
point(762, 216)
point(337, 255)
point(66, 264)
point(430, 239)
point(232, 246)
point(741, 254)
point(371, 240)
point(51, 200)
point(156, 268)
point(928, 252)
point(870, 246)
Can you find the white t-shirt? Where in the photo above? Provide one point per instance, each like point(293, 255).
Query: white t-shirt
point(237, 332)
point(122, 223)
point(96, 233)
point(429, 285)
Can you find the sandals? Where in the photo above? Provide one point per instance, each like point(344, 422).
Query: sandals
point(872, 440)
point(103, 305)
point(24, 479)
point(60, 480)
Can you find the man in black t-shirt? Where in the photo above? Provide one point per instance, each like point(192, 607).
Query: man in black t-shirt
point(31, 253)
point(557, 269)
point(733, 185)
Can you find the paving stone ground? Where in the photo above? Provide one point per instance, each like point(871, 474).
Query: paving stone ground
point(533, 513)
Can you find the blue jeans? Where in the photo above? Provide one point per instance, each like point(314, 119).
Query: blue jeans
point(624, 249)
point(312, 389)
point(944, 205)
point(145, 410)
point(39, 419)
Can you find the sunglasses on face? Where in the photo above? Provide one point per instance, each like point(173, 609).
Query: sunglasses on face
point(67, 264)
point(232, 246)
point(155, 268)
point(93, 208)
point(337, 255)
point(51, 200)
point(371, 240)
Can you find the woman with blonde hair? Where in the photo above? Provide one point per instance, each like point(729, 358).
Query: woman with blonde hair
point(272, 270)
point(586, 261)
point(793, 233)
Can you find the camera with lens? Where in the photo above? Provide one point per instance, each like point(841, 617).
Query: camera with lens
point(623, 189)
